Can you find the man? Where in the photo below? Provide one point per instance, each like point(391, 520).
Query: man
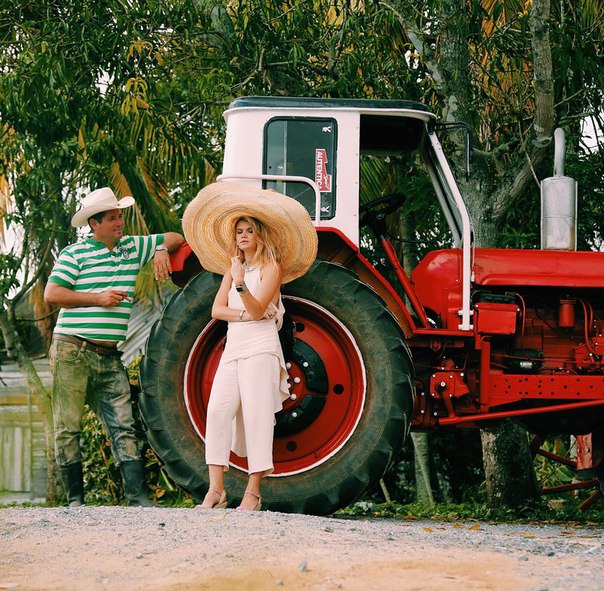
point(93, 284)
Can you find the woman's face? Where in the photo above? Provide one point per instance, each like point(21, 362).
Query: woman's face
point(246, 239)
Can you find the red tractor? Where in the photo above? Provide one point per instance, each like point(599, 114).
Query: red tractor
point(473, 335)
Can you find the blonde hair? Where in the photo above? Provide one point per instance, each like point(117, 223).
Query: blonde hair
point(266, 252)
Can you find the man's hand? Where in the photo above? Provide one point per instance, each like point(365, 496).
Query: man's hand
point(161, 265)
point(112, 297)
point(64, 297)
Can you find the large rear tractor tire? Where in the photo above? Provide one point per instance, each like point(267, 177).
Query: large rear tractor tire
point(351, 392)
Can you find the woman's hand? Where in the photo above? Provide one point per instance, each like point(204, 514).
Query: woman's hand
point(237, 270)
point(270, 312)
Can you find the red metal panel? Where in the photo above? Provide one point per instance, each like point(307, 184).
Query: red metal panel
point(495, 318)
point(178, 258)
point(437, 283)
point(496, 266)
point(507, 388)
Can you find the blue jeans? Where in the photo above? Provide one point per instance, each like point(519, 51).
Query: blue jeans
point(82, 376)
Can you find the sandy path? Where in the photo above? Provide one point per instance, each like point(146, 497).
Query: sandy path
point(128, 549)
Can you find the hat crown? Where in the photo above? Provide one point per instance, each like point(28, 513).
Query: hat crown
point(104, 196)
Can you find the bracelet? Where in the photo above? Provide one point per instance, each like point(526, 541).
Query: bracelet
point(241, 315)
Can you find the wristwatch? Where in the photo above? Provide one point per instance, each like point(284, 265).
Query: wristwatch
point(161, 247)
point(242, 287)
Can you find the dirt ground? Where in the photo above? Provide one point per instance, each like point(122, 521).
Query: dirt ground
point(128, 549)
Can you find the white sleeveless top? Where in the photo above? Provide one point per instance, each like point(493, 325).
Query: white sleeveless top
point(252, 337)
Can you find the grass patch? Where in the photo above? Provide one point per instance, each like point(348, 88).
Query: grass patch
point(540, 513)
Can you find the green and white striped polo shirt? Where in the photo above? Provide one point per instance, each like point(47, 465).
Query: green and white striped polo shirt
point(89, 266)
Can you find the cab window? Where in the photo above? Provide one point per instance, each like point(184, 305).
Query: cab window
point(305, 147)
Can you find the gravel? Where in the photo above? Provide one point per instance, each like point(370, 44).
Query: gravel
point(121, 548)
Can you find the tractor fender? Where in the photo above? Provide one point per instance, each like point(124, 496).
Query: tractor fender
point(335, 247)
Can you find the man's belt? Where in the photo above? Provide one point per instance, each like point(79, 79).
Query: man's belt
point(104, 350)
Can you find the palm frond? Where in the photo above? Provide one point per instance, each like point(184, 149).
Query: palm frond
point(5, 203)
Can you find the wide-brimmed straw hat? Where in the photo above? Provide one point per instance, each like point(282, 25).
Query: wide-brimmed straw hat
point(209, 226)
point(96, 202)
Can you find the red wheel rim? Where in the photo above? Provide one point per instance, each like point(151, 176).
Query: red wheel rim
point(343, 401)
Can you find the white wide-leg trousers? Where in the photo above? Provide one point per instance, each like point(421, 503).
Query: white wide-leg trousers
point(249, 385)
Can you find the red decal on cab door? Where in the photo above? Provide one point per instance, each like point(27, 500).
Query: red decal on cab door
point(322, 179)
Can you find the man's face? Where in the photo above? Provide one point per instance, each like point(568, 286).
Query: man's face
point(110, 229)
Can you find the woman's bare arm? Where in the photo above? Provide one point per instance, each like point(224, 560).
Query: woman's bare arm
point(270, 284)
point(255, 307)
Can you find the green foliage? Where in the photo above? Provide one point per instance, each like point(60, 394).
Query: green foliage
point(88, 87)
point(318, 48)
point(541, 513)
point(102, 478)
point(552, 473)
point(455, 467)
point(101, 475)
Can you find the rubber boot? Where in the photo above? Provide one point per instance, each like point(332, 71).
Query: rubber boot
point(135, 488)
point(73, 481)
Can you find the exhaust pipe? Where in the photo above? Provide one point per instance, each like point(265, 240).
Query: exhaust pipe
point(559, 204)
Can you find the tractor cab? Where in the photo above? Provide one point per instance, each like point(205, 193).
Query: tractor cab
point(318, 151)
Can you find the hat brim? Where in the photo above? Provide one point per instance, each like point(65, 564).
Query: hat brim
point(80, 218)
point(209, 222)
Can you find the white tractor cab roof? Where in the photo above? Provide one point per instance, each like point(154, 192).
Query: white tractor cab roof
point(311, 149)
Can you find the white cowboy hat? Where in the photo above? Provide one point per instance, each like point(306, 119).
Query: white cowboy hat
point(209, 226)
point(96, 202)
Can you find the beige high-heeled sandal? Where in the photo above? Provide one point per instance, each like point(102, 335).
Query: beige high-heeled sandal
point(258, 504)
point(221, 504)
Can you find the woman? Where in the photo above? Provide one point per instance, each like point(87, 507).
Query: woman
point(252, 373)
point(263, 239)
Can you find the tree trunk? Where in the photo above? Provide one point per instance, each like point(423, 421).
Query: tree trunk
point(507, 466)
point(40, 395)
point(421, 448)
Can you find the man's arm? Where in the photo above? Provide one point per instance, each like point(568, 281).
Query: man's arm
point(161, 260)
point(63, 297)
point(173, 241)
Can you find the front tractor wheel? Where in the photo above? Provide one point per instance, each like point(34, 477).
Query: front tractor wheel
point(351, 392)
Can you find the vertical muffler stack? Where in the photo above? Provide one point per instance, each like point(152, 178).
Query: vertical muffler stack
point(559, 204)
